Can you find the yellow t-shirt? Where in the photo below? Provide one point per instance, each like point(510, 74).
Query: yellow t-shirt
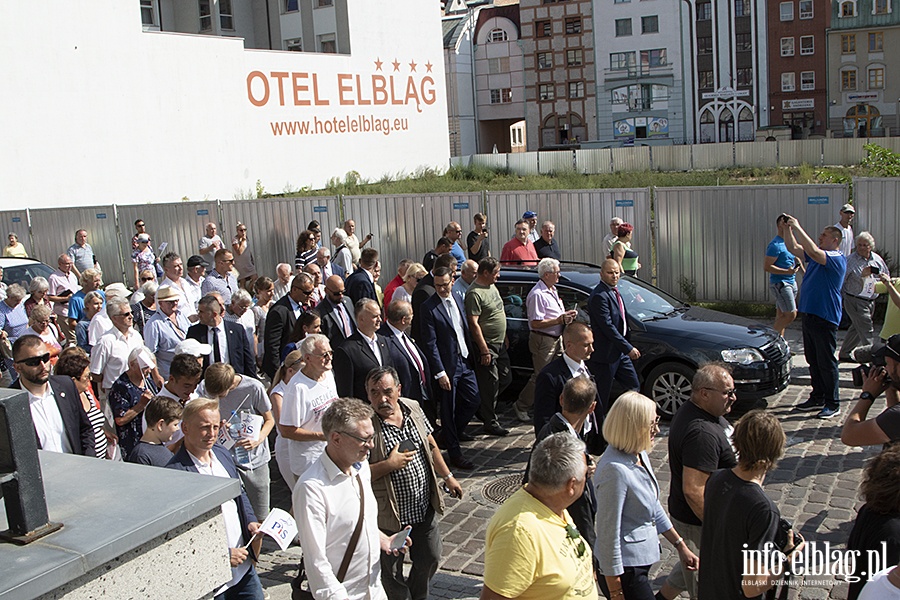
point(529, 555)
point(892, 316)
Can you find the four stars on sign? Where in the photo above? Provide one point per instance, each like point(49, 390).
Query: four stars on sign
point(396, 64)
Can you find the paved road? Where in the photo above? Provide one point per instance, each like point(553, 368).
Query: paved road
point(815, 486)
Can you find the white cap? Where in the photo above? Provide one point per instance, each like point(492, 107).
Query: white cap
point(193, 347)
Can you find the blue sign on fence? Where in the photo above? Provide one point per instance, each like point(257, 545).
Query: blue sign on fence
point(318, 209)
point(624, 202)
point(202, 212)
point(817, 200)
point(460, 206)
point(101, 215)
point(17, 219)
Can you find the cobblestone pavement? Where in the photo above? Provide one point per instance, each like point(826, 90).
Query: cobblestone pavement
point(815, 486)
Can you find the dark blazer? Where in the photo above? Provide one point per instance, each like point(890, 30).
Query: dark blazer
point(239, 355)
point(424, 290)
point(331, 326)
point(411, 384)
point(76, 426)
point(280, 322)
point(438, 339)
point(353, 360)
point(335, 270)
point(182, 461)
point(359, 286)
point(606, 323)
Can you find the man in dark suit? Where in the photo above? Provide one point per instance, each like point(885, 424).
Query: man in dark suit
point(410, 363)
point(425, 290)
point(323, 259)
point(227, 339)
point(361, 284)
point(60, 424)
point(282, 318)
point(361, 352)
point(336, 313)
point(201, 454)
point(446, 344)
point(613, 354)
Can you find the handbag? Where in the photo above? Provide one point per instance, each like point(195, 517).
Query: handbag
point(300, 584)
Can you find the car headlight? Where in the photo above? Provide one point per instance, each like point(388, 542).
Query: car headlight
point(742, 356)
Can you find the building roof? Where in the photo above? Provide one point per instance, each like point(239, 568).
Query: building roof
point(451, 27)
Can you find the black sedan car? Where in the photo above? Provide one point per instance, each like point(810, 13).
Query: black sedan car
point(674, 338)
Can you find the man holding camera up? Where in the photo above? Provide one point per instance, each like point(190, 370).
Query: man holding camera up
point(885, 428)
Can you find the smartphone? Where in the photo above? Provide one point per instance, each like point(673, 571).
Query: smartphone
point(448, 491)
point(408, 446)
point(400, 538)
point(875, 270)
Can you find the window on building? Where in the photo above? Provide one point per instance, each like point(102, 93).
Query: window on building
point(293, 45)
point(654, 58)
point(497, 35)
point(876, 78)
point(742, 8)
point(705, 79)
point(544, 60)
point(574, 58)
point(546, 91)
point(876, 41)
point(745, 76)
point(787, 11)
point(573, 25)
point(848, 43)
point(226, 15)
point(743, 42)
point(848, 80)
point(788, 83)
point(291, 5)
point(327, 44)
point(704, 11)
point(621, 1)
point(498, 65)
point(576, 89)
point(807, 45)
point(881, 7)
point(205, 15)
point(501, 96)
point(806, 9)
point(621, 60)
point(543, 29)
point(807, 80)
point(650, 24)
point(787, 46)
point(623, 27)
point(848, 8)
point(704, 45)
point(148, 13)
point(324, 3)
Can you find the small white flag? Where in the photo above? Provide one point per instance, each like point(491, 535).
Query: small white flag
point(281, 527)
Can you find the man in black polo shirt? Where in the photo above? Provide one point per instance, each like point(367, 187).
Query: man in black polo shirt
point(698, 445)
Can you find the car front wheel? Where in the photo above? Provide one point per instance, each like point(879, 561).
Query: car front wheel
point(669, 386)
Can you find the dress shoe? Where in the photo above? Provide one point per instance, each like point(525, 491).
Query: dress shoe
point(465, 437)
point(810, 405)
point(462, 463)
point(495, 429)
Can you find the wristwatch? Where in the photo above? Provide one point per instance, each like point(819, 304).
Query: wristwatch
point(866, 396)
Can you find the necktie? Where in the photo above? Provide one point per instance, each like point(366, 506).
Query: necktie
point(217, 355)
point(457, 327)
point(621, 310)
point(415, 356)
point(345, 322)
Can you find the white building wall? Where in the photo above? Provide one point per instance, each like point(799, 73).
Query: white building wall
point(96, 110)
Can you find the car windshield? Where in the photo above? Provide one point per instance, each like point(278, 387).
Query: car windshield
point(645, 303)
point(23, 274)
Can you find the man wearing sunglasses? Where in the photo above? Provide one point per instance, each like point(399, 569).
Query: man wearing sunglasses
point(336, 312)
point(282, 318)
point(220, 278)
point(109, 357)
point(60, 424)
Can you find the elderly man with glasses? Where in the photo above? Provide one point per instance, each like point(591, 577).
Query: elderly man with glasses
point(109, 357)
point(167, 328)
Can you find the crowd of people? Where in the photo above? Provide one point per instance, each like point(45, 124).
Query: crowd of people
point(368, 394)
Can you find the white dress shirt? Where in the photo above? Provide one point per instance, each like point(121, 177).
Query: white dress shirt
point(48, 422)
point(109, 356)
point(223, 344)
point(373, 346)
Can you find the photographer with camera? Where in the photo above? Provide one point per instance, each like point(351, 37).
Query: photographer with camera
point(882, 376)
point(858, 294)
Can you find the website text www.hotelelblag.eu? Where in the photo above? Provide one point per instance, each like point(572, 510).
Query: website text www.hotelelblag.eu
point(338, 125)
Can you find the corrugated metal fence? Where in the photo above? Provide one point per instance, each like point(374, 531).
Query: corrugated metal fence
point(877, 204)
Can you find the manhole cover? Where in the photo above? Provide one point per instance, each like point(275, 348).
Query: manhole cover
point(500, 489)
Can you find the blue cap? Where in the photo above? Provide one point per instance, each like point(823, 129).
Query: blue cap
point(529, 214)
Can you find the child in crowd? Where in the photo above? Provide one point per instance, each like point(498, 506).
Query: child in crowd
point(163, 419)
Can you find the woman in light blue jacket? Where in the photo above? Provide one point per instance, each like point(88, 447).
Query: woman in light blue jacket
point(630, 516)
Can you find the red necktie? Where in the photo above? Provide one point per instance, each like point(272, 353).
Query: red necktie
point(621, 310)
point(415, 356)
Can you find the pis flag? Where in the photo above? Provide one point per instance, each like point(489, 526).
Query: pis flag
point(280, 526)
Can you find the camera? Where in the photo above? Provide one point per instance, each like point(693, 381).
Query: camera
point(862, 371)
point(781, 535)
point(875, 270)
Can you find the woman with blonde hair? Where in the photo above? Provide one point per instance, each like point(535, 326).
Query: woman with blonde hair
point(40, 324)
point(293, 362)
point(632, 517)
point(414, 273)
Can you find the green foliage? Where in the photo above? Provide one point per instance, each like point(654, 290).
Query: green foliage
point(882, 161)
point(688, 288)
point(261, 190)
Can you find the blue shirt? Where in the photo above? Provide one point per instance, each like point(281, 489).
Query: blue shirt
point(820, 293)
point(457, 252)
point(76, 304)
point(783, 259)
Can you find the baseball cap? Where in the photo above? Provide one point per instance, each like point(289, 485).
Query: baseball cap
point(195, 261)
point(848, 208)
point(892, 349)
point(529, 214)
point(193, 347)
point(143, 237)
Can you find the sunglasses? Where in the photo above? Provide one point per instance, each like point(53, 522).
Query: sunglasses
point(35, 361)
point(572, 534)
point(336, 292)
point(326, 354)
point(147, 278)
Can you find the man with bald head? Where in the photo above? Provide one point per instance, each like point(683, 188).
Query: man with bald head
point(613, 353)
point(336, 312)
point(282, 318)
point(467, 274)
point(283, 279)
point(361, 352)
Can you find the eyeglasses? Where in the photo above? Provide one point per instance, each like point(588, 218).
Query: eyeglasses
point(148, 278)
point(127, 315)
point(326, 354)
point(572, 534)
point(242, 229)
point(363, 441)
point(140, 225)
point(304, 292)
point(731, 392)
point(225, 260)
point(336, 292)
point(35, 361)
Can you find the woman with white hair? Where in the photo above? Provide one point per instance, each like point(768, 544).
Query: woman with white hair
point(632, 517)
point(39, 324)
point(13, 320)
point(37, 290)
point(129, 396)
point(858, 295)
point(144, 304)
point(342, 255)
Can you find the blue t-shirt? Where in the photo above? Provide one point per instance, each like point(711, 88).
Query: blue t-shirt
point(76, 304)
point(783, 260)
point(820, 294)
point(457, 252)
